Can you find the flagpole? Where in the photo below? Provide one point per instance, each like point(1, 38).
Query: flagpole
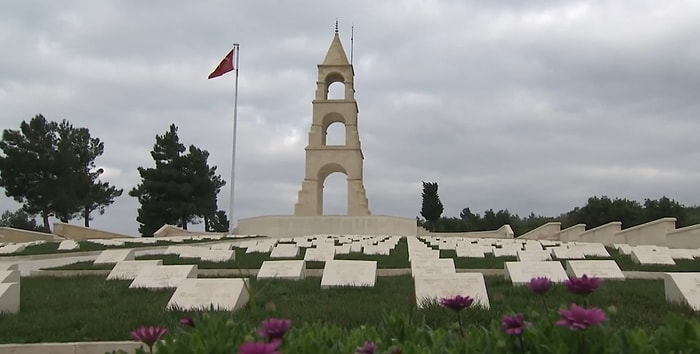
point(352, 42)
point(236, 49)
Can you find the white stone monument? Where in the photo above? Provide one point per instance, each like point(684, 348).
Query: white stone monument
point(440, 286)
point(292, 270)
point(337, 273)
point(520, 273)
point(129, 269)
point(160, 277)
point(228, 294)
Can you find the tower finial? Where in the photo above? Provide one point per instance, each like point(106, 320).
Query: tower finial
point(336, 25)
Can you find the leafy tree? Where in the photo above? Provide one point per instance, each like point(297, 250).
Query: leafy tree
point(19, 219)
point(665, 207)
point(28, 171)
point(218, 222)
point(82, 192)
point(180, 189)
point(162, 192)
point(50, 169)
point(432, 207)
point(206, 184)
point(100, 195)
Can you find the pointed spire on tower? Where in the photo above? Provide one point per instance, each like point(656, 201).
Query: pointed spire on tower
point(336, 54)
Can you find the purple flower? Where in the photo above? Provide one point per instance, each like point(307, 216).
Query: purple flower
point(148, 335)
point(457, 303)
point(539, 285)
point(580, 318)
point(274, 328)
point(187, 322)
point(583, 285)
point(368, 348)
point(260, 348)
point(514, 325)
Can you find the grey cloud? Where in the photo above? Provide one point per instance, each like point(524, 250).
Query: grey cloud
point(525, 105)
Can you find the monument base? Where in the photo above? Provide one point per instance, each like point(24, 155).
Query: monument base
point(292, 226)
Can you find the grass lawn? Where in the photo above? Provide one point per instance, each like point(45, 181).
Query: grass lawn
point(56, 309)
point(85, 246)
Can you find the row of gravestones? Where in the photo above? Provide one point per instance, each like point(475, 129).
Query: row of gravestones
point(68, 245)
point(9, 288)
point(436, 277)
point(534, 250)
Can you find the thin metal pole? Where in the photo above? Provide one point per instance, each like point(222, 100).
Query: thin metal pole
point(236, 51)
point(352, 42)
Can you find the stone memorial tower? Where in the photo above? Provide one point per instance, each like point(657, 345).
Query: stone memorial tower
point(323, 159)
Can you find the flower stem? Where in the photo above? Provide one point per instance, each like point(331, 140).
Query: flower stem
point(522, 345)
point(459, 320)
point(583, 342)
point(544, 303)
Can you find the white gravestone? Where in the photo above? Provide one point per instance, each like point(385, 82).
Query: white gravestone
point(592, 249)
point(534, 256)
point(217, 255)
point(67, 245)
point(9, 297)
point(520, 273)
point(324, 254)
point(623, 248)
point(115, 256)
point(604, 269)
point(8, 266)
point(681, 253)
point(228, 294)
point(293, 270)
point(464, 284)
point(349, 273)
point(438, 266)
point(683, 288)
point(566, 253)
point(469, 252)
point(129, 269)
point(9, 249)
point(226, 246)
point(652, 257)
point(285, 250)
point(505, 252)
point(159, 277)
point(9, 276)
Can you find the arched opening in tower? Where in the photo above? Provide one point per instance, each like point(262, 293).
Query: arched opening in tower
point(335, 194)
point(336, 91)
point(335, 134)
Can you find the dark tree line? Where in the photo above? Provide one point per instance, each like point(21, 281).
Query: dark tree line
point(49, 168)
point(19, 219)
point(180, 189)
point(597, 211)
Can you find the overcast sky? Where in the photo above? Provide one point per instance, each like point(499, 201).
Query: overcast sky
point(528, 105)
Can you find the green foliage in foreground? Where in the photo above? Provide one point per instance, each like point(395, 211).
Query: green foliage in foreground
point(399, 332)
point(90, 308)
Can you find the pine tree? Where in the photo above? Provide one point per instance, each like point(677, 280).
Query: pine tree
point(50, 169)
point(160, 192)
point(432, 207)
point(180, 189)
point(28, 171)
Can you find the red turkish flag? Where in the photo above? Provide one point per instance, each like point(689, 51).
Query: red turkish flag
point(225, 66)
